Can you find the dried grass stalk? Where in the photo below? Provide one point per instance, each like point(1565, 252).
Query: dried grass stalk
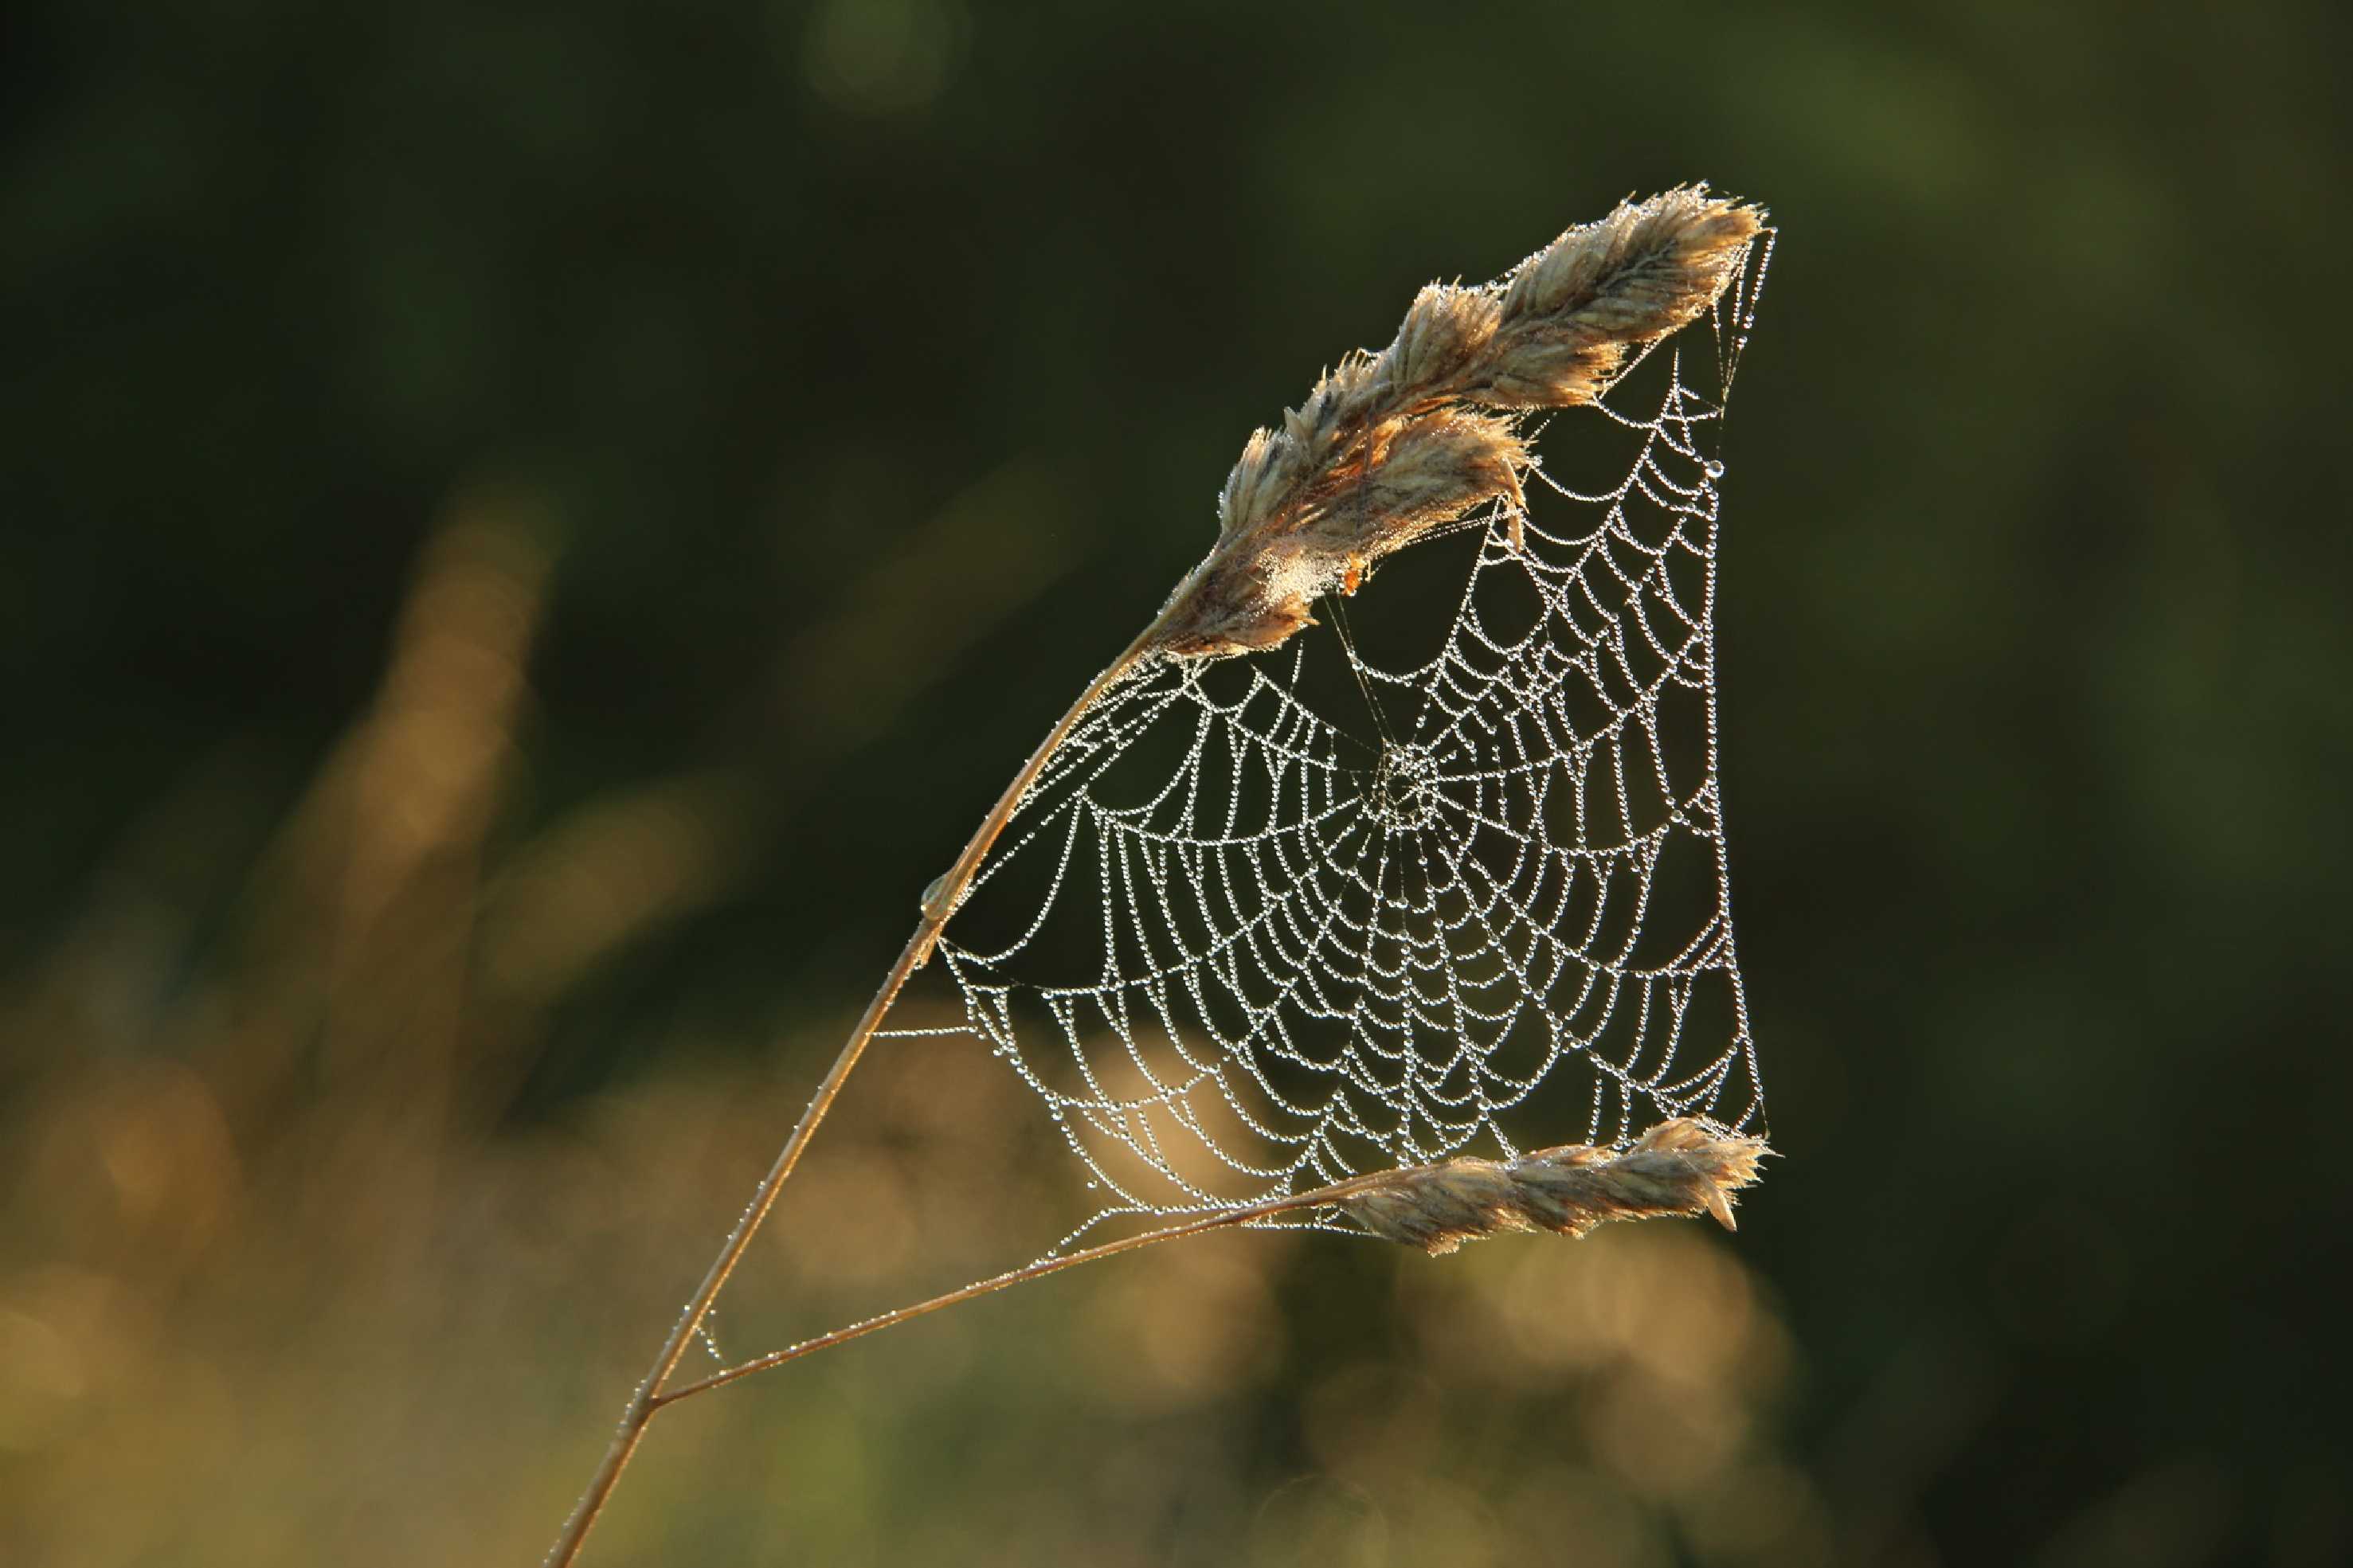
point(1392, 445)
point(1388, 449)
point(1679, 1167)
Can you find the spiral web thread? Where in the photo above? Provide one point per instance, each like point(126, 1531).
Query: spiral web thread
point(1266, 922)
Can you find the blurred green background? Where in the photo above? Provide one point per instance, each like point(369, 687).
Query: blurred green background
point(532, 531)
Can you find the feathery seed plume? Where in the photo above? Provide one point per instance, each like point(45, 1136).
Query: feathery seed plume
point(1684, 1166)
point(1391, 446)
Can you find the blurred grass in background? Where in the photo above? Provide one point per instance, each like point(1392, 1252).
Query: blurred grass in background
point(532, 533)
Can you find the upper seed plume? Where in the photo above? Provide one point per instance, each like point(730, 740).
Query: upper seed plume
point(1394, 445)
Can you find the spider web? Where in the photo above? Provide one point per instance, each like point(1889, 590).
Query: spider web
point(1445, 875)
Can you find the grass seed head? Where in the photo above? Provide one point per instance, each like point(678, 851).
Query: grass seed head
point(1685, 1166)
point(1392, 446)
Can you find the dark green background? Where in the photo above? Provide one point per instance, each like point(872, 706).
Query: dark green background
point(2035, 655)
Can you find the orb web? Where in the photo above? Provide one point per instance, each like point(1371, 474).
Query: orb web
point(1444, 874)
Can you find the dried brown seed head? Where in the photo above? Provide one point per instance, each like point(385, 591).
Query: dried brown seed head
point(1389, 447)
point(1682, 1166)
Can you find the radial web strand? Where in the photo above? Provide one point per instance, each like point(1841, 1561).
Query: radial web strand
point(1445, 874)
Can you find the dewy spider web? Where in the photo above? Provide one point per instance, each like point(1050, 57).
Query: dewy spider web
point(1373, 900)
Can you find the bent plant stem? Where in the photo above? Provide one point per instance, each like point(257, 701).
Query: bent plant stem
point(1323, 1198)
point(939, 903)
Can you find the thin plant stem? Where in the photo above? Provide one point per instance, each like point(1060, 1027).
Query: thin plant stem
point(1319, 1198)
point(940, 901)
